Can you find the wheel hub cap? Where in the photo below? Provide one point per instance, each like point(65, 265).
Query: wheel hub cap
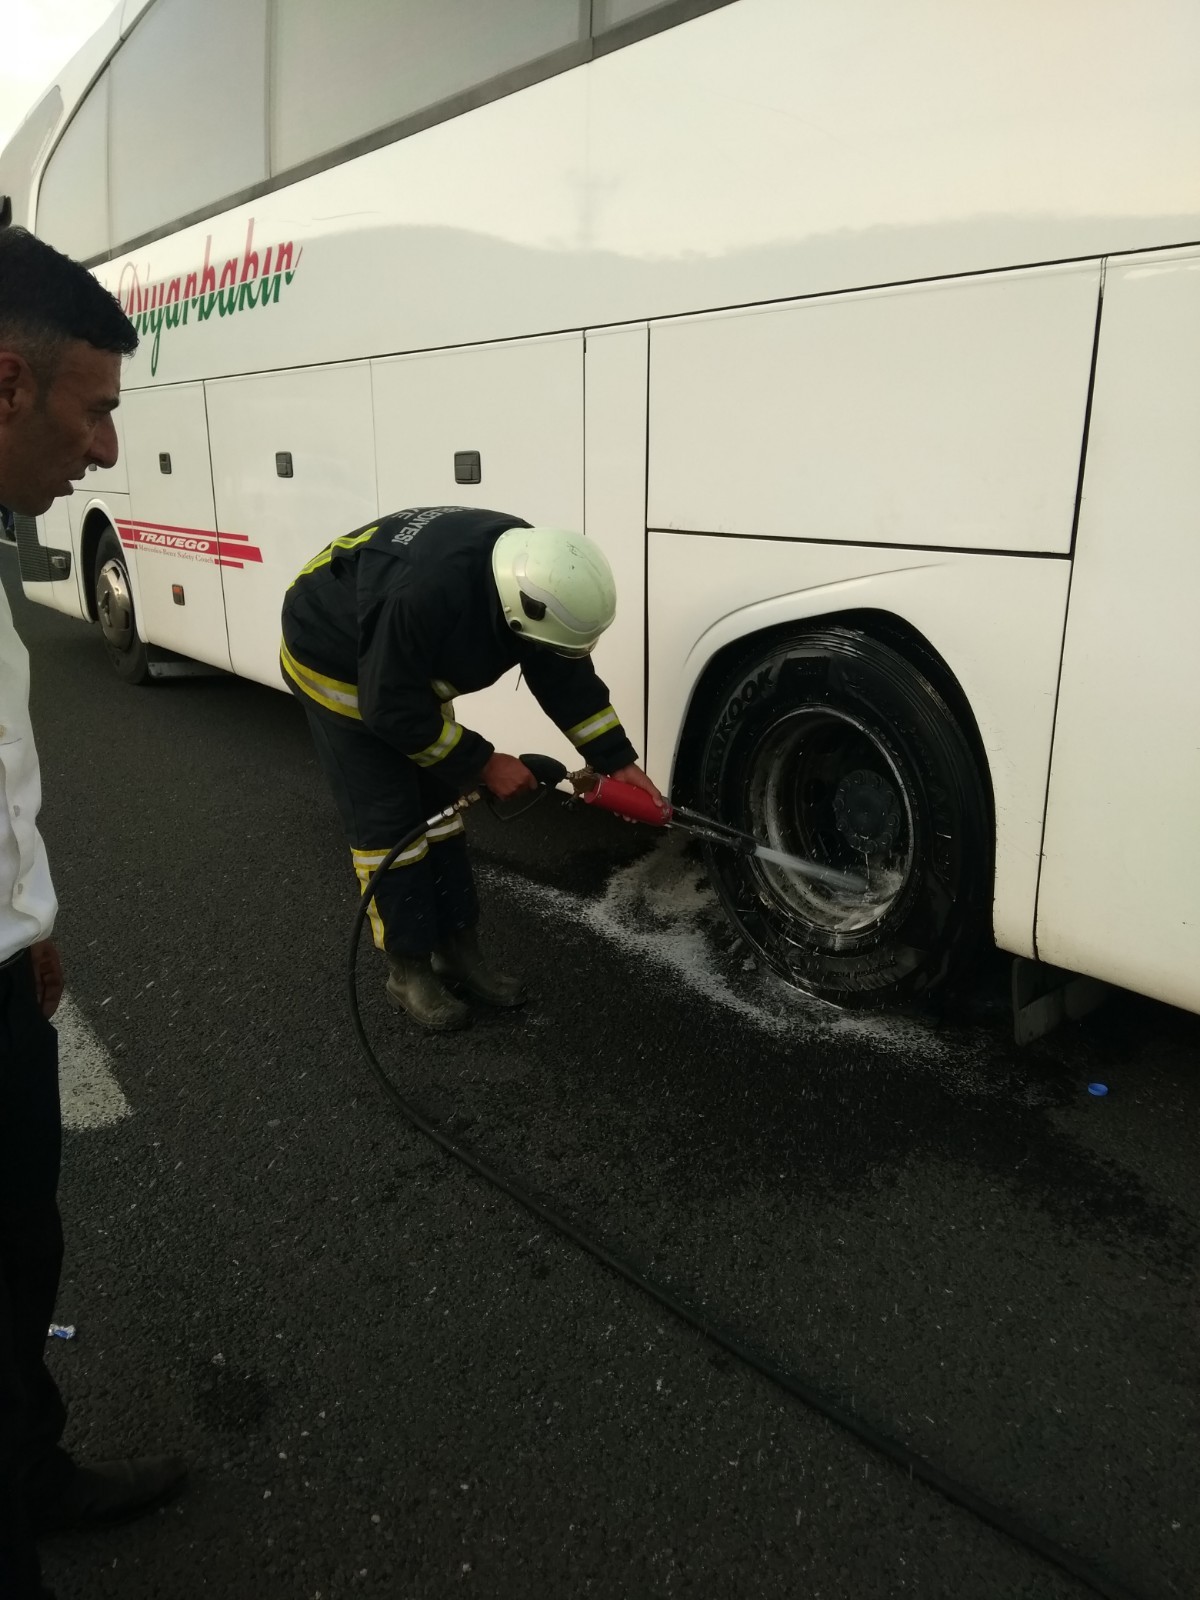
point(823, 787)
point(867, 811)
point(114, 607)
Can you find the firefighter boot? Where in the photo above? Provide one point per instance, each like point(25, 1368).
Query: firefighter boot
point(459, 960)
point(413, 986)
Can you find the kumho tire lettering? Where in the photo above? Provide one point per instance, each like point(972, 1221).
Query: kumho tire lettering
point(742, 698)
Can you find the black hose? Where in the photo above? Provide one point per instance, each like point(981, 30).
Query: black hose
point(794, 1383)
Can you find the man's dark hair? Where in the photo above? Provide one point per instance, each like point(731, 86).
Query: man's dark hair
point(47, 299)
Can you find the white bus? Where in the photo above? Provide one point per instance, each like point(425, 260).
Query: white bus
point(864, 335)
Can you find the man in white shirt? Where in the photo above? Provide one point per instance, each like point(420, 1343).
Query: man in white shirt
point(62, 338)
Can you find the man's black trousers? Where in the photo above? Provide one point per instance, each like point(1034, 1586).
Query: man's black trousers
point(32, 1413)
point(381, 795)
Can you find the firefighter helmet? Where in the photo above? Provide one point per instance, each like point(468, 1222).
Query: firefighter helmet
point(555, 588)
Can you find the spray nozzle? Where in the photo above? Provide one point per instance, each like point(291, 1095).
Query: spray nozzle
point(548, 772)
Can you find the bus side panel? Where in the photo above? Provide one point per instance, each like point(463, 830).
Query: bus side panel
point(519, 407)
point(615, 513)
point(1120, 892)
point(171, 529)
point(767, 149)
point(294, 467)
point(55, 531)
point(946, 414)
point(997, 621)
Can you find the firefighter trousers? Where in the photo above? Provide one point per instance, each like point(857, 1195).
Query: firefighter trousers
point(429, 893)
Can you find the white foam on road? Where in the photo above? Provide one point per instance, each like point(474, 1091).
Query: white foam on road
point(91, 1095)
point(662, 908)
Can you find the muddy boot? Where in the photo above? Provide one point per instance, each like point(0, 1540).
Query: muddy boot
point(459, 960)
point(413, 987)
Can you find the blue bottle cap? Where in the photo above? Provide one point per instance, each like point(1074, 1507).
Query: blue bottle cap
point(1097, 1088)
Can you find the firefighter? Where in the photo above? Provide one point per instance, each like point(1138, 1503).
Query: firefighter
point(380, 632)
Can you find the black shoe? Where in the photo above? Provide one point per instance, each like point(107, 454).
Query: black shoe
point(415, 987)
point(459, 960)
point(108, 1493)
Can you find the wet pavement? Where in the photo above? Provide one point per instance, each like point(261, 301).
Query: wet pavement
point(390, 1380)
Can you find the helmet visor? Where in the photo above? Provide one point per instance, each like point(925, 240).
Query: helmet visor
point(535, 610)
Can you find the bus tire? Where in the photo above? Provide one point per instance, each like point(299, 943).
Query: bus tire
point(835, 747)
point(112, 594)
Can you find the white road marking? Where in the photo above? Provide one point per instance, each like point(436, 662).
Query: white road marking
point(91, 1096)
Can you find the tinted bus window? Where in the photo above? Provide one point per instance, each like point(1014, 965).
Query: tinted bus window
point(72, 205)
point(188, 111)
point(340, 73)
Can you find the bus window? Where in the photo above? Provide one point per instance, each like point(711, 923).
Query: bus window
point(18, 161)
point(612, 13)
point(608, 15)
point(340, 73)
point(177, 148)
point(72, 206)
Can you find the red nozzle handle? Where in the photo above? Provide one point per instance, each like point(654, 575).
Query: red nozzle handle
point(625, 800)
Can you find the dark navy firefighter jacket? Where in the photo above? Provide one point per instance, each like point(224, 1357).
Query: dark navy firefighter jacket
point(388, 624)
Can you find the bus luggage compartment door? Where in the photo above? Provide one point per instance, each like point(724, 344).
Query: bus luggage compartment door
point(1120, 884)
point(514, 411)
point(171, 529)
point(295, 468)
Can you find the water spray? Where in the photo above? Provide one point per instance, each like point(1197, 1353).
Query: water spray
point(626, 800)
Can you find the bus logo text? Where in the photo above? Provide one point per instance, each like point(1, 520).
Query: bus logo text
point(253, 280)
point(190, 544)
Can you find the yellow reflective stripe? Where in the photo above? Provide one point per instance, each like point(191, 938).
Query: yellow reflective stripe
point(364, 874)
point(367, 861)
point(445, 830)
point(331, 693)
point(592, 727)
point(326, 555)
point(441, 747)
point(311, 675)
point(376, 925)
point(443, 690)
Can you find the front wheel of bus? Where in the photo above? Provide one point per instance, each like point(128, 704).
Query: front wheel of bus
point(837, 748)
point(113, 596)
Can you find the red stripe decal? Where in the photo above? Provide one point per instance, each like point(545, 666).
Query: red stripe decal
point(202, 543)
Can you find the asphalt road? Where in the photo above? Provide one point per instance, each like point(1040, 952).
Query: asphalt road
point(391, 1381)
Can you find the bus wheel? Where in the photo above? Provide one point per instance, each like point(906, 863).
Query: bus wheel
point(113, 595)
point(834, 747)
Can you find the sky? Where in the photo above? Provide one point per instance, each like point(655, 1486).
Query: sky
point(36, 38)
